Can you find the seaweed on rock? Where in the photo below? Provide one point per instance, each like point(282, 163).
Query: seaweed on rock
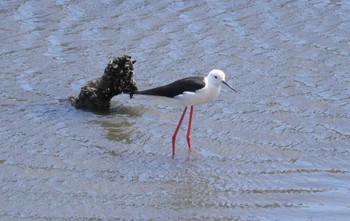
point(117, 78)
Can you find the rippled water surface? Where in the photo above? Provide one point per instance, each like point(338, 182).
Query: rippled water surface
point(276, 150)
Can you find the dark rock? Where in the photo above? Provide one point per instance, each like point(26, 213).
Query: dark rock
point(117, 78)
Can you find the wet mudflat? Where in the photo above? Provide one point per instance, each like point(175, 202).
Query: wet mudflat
point(276, 150)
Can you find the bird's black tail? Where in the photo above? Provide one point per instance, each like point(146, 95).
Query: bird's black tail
point(131, 94)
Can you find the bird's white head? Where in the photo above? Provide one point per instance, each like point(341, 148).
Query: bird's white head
point(216, 77)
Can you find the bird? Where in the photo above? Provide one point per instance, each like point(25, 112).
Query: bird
point(188, 92)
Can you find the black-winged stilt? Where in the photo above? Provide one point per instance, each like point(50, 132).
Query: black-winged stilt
point(189, 92)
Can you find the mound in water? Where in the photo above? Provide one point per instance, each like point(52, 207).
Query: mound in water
point(117, 78)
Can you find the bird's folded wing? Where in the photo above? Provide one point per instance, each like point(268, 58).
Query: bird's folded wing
point(190, 84)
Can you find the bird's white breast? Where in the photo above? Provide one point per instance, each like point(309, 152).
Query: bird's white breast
point(201, 96)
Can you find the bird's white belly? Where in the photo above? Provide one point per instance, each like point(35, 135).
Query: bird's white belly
point(201, 96)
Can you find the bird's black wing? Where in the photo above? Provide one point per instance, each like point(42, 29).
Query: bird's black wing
point(190, 84)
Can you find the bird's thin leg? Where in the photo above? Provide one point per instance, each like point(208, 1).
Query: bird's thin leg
point(177, 129)
point(189, 129)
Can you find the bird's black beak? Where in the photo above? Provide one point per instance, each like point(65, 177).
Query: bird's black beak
point(224, 82)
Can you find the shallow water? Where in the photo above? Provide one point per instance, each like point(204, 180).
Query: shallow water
point(276, 150)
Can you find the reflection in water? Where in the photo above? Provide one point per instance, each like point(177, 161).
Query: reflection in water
point(118, 123)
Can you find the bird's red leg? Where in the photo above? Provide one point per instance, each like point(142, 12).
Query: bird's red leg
point(189, 129)
point(177, 129)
